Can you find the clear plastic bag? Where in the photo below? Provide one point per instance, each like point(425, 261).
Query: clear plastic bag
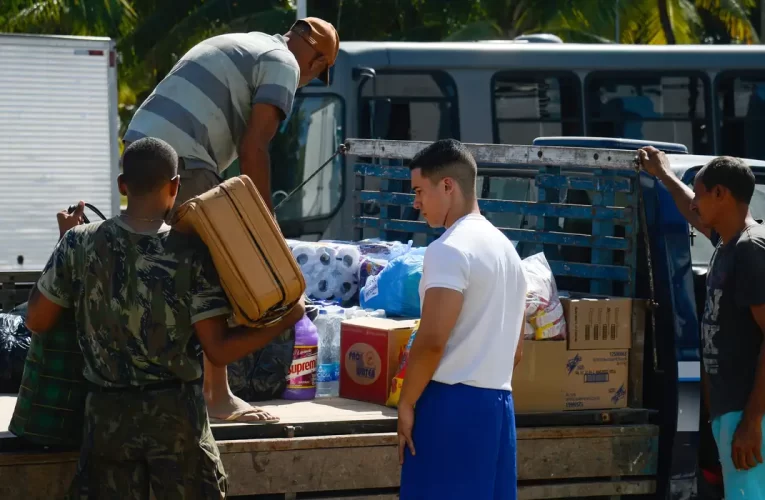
point(544, 312)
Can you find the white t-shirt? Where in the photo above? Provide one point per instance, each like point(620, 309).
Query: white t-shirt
point(477, 259)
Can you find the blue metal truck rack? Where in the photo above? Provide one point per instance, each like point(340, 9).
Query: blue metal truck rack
point(605, 173)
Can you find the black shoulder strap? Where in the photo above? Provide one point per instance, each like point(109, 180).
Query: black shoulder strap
point(91, 207)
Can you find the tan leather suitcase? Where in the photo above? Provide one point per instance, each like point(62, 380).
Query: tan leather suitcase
point(256, 268)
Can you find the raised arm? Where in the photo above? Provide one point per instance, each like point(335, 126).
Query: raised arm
point(655, 162)
point(53, 292)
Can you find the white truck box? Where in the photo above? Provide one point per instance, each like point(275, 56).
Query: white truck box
point(58, 138)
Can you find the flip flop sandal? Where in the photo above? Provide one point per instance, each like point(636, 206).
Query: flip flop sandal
point(234, 418)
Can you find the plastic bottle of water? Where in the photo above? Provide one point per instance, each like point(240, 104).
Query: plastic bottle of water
point(354, 312)
point(336, 324)
point(328, 375)
point(323, 366)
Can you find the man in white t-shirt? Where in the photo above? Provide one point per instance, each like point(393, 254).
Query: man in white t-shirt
point(459, 441)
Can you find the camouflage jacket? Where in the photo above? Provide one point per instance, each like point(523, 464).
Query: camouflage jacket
point(136, 297)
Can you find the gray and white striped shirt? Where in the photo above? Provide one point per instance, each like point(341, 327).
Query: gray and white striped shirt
point(202, 106)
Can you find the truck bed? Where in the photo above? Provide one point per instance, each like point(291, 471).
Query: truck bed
point(341, 447)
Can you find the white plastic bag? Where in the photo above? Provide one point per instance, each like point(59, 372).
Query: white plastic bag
point(544, 312)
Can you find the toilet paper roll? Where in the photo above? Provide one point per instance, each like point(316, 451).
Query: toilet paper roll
point(305, 255)
point(326, 256)
point(347, 286)
point(325, 287)
point(348, 258)
point(311, 289)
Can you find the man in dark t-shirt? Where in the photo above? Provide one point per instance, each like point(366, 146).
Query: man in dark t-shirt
point(733, 322)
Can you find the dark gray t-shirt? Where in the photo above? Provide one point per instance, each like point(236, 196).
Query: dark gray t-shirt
point(731, 339)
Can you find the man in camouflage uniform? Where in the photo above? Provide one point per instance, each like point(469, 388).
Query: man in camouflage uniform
point(146, 298)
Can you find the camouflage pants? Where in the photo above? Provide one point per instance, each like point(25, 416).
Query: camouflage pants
point(159, 441)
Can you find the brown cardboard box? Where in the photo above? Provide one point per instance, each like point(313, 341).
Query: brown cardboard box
point(369, 354)
point(598, 323)
point(538, 381)
point(552, 378)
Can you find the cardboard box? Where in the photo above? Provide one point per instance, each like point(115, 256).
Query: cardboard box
point(553, 378)
point(598, 323)
point(370, 350)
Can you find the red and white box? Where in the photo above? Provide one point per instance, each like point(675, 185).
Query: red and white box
point(370, 349)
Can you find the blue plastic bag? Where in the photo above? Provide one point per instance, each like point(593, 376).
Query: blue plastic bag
point(396, 288)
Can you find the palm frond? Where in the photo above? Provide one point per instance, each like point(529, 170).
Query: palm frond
point(75, 17)
point(42, 13)
point(166, 34)
point(686, 22)
point(734, 15)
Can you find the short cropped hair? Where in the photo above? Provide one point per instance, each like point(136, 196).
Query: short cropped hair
point(148, 164)
point(731, 173)
point(448, 158)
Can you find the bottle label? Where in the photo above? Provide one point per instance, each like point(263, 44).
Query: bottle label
point(303, 368)
point(328, 372)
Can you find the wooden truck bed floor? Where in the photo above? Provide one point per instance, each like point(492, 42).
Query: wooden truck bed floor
point(340, 447)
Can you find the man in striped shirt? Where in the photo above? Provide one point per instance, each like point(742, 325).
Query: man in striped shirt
point(223, 100)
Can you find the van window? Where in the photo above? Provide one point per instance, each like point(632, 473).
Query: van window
point(405, 106)
point(668, 108)
point(741, 101)
point(531, 106)
point(304, 142)
point(409, 106)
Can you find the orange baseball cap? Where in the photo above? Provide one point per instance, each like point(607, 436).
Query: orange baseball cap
point(323, 38)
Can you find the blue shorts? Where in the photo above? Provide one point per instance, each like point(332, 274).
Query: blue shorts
point(739, 484)
point(465, 443)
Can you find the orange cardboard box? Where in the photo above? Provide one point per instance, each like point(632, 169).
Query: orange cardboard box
point(370, 349)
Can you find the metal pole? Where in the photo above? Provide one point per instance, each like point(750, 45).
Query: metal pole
point(617, 28)
point(302, 9)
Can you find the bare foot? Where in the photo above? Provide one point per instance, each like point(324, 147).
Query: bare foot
point(234, 409)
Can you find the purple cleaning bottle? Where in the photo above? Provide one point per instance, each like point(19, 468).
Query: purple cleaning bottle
point(301, 381)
